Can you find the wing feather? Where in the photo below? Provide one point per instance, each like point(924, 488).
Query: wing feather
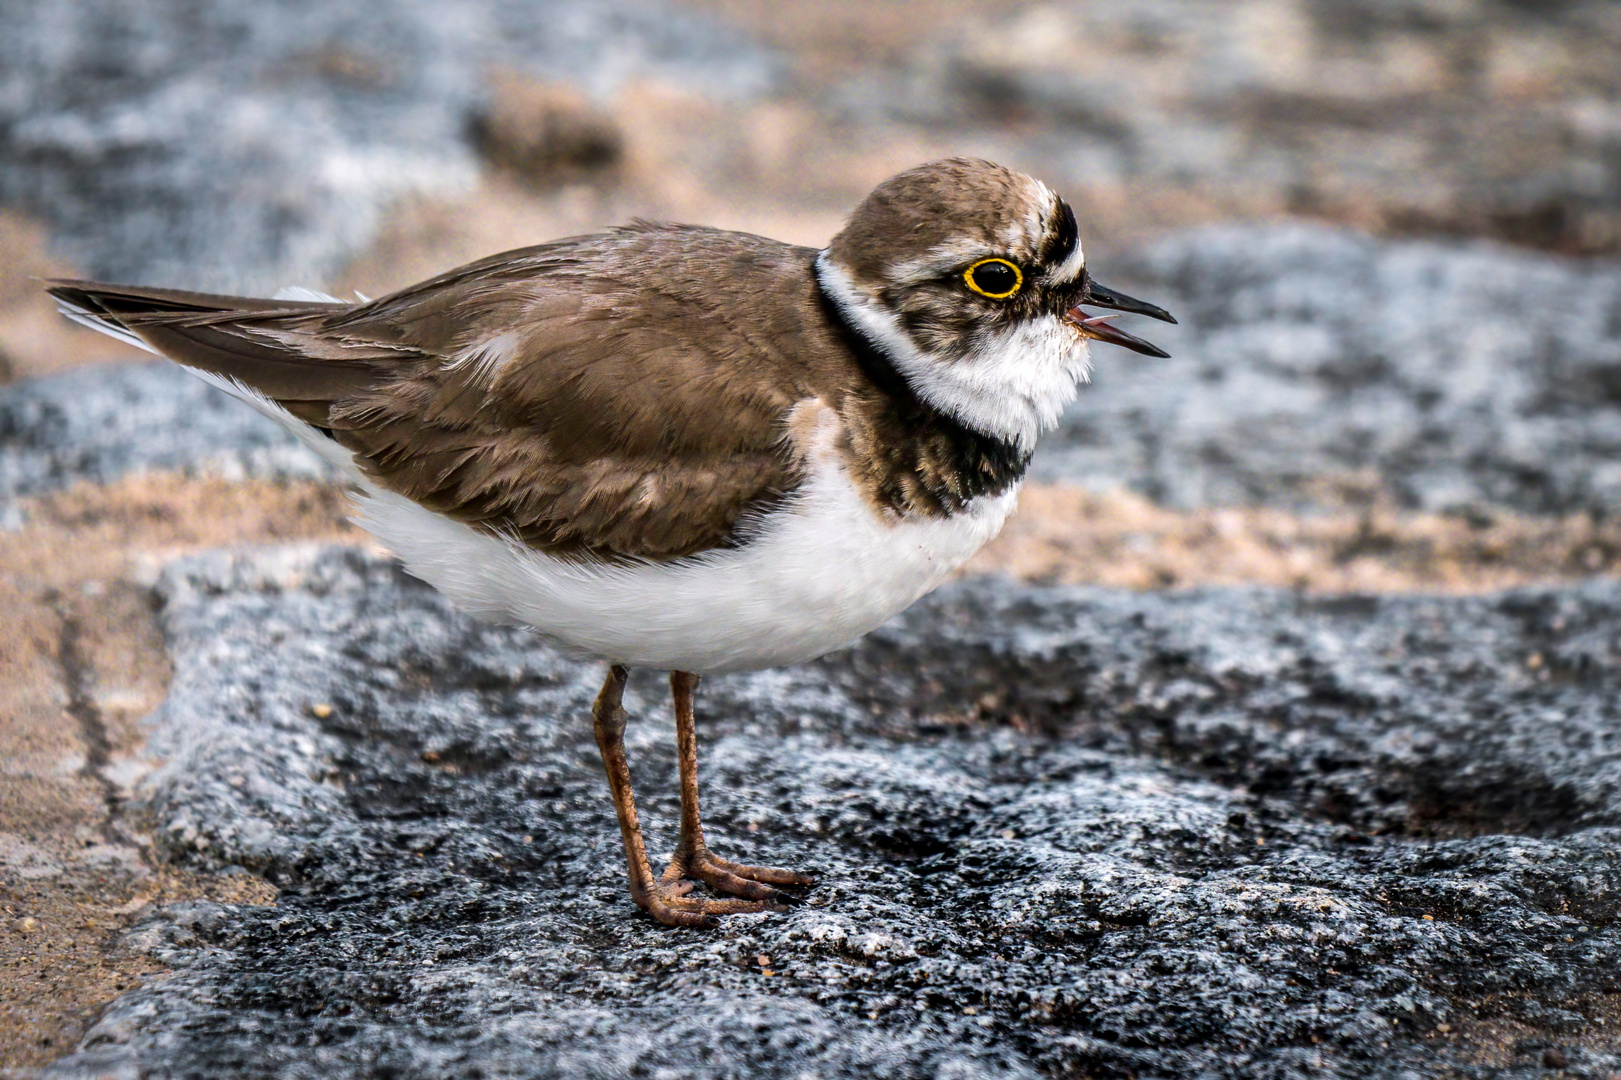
point(549, 395)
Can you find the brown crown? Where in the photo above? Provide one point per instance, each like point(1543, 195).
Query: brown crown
point(914, 211)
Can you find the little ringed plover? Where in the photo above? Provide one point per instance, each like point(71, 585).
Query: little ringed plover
point(677, 447)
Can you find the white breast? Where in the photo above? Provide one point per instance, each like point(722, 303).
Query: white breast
point(821, 573)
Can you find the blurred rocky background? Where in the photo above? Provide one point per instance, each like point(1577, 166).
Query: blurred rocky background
point(1282, 745)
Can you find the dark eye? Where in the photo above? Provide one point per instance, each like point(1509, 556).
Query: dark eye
point(995, 278)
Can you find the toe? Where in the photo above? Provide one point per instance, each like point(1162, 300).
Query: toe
point(770, 875)
point(670, 915)
point(671, 906)
point(727, 882)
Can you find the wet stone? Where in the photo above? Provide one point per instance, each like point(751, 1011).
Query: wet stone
point(1057, 832)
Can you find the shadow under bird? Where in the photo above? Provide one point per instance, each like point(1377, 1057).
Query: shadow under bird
point(680, 448)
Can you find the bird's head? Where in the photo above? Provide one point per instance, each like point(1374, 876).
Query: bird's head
point(970, 279)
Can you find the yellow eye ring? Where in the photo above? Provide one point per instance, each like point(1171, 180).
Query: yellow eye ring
point(1018, 279)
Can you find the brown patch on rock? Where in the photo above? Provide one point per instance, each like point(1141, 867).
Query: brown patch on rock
point(776, 168)
point(34, 339)
point(78, 668)
point(61, 957)
point(1071, 536)
point(1488, 1033)
point(89, 533)
point(545, 134)
point(81, 662)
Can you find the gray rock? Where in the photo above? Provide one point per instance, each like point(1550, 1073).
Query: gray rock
point(100, 423)
point(251, 144)
point(1309, 357)
point(1472, 117)
point(1058, 832)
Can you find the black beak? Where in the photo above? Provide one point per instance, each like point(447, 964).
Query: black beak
point(1098, 296)
point(1098, 326)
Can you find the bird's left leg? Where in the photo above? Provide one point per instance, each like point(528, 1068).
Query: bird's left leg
point(693, 859)
point(665, 899)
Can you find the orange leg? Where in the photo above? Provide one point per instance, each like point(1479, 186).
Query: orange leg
point(693, 859)
point(665, 898)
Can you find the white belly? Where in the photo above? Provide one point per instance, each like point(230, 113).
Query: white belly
point(819, 575)
point(821, 572)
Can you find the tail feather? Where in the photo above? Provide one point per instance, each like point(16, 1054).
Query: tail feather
point(117, 300)
point(279, 348)
point(100, 323)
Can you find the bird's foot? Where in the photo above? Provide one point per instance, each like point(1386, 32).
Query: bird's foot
point(667, 901)
point(758, 883)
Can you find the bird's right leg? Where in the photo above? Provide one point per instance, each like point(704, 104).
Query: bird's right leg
point(664, 899)
point(693, 859)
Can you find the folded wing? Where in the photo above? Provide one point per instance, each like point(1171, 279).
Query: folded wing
point(540, 395)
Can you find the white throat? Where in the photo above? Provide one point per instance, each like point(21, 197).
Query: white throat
point(1013, 387)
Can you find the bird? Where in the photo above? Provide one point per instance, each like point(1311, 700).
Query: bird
point(681, 448)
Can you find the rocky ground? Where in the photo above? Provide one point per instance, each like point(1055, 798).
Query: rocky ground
point(1056, 831)
point(1277, 743)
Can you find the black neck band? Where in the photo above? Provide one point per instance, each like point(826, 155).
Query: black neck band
point(983, 464)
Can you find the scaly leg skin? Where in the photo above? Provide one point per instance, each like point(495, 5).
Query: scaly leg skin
point(693, 859)
point(665, 899)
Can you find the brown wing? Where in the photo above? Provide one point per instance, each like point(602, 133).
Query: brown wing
point(552, 394)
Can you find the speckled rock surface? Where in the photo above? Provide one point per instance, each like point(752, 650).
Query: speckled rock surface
point(99, 423)
point(1058, 832)
point(240, 145)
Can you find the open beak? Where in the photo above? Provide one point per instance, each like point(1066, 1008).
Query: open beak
point(1099, 327)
